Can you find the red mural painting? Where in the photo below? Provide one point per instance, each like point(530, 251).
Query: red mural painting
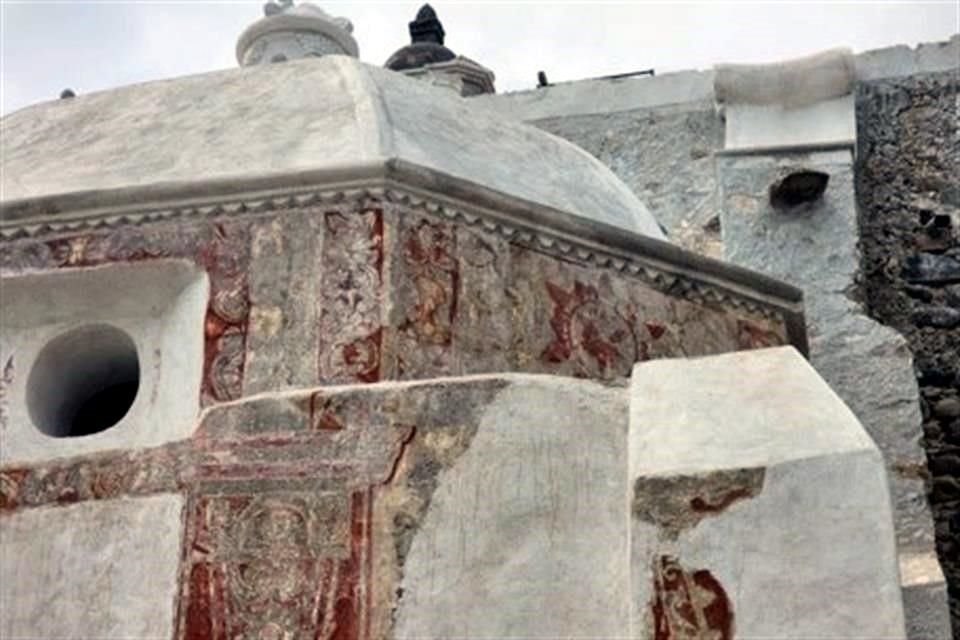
point(688, 605)
point(350, 297)
point(221, 249)
point(278, 565)
point(601, 338)
point(752, 336)
point(429, 254)
point(225, 259)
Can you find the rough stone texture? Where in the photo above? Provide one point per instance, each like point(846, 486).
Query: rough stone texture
point(907, 180)
point(94, 570)
point(869, 365)
point(781, 552)
point(815, 246)
point(665, 155)
point(902, 60)
point(658, 134)
point(376, 511)
point(675, 503)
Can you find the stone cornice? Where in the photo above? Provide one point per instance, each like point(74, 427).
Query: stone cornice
point(662, 265)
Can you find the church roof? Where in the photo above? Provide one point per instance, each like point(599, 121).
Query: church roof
point(326, 113)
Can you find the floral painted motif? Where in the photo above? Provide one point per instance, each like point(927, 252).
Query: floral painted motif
point(601, 338)
point(350, 297)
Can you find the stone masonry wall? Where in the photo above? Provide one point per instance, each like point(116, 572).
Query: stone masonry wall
point(909, 200)
point(665, 154)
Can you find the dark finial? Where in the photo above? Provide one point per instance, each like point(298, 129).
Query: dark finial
point(542, 79)
point(274, 8)
point(425, 13)
point(67, 93)
point(426, 27)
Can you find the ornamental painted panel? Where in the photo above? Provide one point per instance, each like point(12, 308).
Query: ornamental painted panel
point(350, 298)
point(221, 248)
point(277, 565)
point(688, 605)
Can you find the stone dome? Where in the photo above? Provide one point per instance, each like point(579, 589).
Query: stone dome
point(330, 113)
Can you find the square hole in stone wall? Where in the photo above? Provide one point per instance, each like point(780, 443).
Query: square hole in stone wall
point(102, 358)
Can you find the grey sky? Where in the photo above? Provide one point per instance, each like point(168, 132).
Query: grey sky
point(88, 46)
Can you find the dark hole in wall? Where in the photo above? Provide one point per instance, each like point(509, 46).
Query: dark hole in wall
point(798, 187)
point(104, 408)
point(83, 381)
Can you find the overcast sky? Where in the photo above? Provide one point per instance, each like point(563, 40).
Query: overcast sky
point(89, 46)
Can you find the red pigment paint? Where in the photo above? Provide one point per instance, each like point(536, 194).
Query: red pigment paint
point(199, 625)
point(688, 604)
point(655, 329)
point(700, 505)
point(348, 605)
point(322, 415)
point(376, 237)
point(365, 354)
point(11, 481)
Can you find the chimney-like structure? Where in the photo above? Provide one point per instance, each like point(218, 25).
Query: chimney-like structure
point(427, 58)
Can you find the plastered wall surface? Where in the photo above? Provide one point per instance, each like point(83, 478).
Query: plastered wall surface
point(160, 307)
point(94, 570)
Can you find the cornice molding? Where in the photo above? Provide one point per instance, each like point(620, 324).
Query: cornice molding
point(659, 264)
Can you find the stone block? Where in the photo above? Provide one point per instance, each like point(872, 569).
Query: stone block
point(778, 522)
point(525, 535)
point(806, 101)
point(92, 570)
point(68, 335)
point(931, 268)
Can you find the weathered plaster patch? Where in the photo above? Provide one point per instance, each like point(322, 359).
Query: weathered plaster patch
point(675, 503)
point(445, 418)
point(526, 520)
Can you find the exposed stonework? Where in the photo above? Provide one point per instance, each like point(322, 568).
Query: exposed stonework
point(665, 155)
point(679, 502)
point(811, 237)
point(659, 133)
point(336, 488)
point(910, 220)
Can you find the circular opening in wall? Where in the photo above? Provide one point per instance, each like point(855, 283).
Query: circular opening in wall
point(83, 381)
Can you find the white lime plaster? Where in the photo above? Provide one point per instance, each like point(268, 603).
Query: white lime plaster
point(160, 305)
point(811, 554)
point(92, 570)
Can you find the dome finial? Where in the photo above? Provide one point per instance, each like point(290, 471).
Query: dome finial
point(291, 31)
point(426, 27)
